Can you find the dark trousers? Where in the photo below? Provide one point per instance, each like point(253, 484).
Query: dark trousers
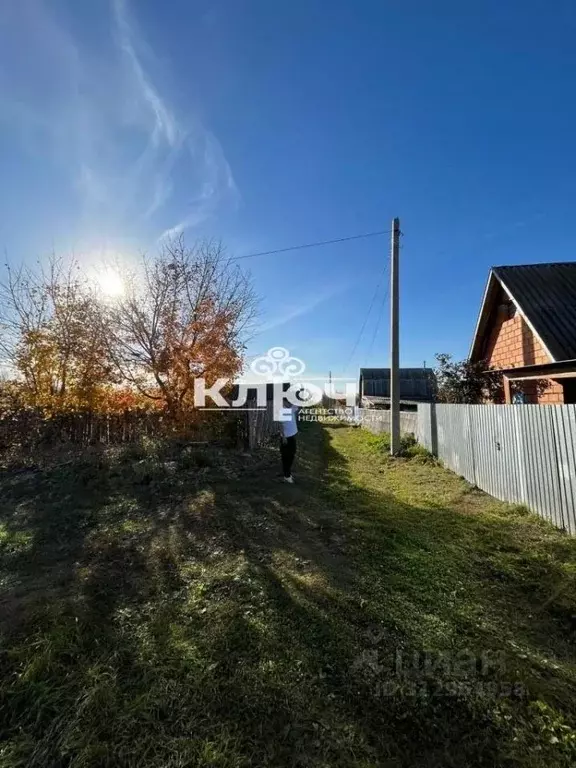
point(287, 452)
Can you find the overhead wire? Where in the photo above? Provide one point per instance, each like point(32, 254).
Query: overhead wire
point(311, 245)
point(378, 321)
point(359, 337)
point(334, 241)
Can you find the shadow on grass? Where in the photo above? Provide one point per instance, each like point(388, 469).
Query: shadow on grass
point(161, 616)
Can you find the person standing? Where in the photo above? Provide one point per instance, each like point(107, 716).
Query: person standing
point(289, 430)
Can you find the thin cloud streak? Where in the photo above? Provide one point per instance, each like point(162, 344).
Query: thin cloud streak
point(300, 310)
point(128, 153)
point(166, 124)
point(218, 183)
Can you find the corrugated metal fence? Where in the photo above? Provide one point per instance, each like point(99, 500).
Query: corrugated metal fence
point(378, 421)
point(525, 454)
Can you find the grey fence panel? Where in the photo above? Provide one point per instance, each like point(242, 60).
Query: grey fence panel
point(454, 446)
point(375, 421)
point(511, 473)
point(528, 428)
point(424, 428)
point(494, 443)
point(542, 460)
point(549, 470)
point(565, 430)
point(408, 422)
point(378, 421)
point(523, 454)
point(537, 425)
point(483, 444)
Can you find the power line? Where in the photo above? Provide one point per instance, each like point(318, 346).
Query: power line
point(312, 245)
point(355, 347)
point(378, 321)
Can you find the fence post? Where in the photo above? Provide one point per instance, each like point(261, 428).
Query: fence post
point(519, 428)
point(433, 430)
point(249, 419)
point(559, 476)
point(471, 438)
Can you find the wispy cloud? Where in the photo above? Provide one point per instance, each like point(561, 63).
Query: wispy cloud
point(97, 109)
point(217, 186)
point(165, 124)
point(291, 312)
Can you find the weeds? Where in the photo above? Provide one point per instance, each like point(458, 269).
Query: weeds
point(409, 447)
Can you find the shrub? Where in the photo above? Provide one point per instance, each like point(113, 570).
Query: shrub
point(195, 458)
point(419, 453)
point(409, 447)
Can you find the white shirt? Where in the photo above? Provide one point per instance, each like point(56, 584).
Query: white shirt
point(290, 425)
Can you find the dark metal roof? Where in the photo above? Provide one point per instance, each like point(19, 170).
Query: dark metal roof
point(416, 384)
point(546, 296)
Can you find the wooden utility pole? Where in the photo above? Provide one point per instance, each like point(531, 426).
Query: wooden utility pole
point(394, 341)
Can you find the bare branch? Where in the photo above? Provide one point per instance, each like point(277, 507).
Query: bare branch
point(185, 317)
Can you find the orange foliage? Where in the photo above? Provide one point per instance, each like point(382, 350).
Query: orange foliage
point(183, 321)
point(182, 318)
point(123, 398)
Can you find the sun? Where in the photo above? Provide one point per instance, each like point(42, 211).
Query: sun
point(110, 282)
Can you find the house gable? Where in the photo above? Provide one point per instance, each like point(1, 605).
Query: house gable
point(505, 340)
point(492, 312)
point(545, 295)
point(508, 340)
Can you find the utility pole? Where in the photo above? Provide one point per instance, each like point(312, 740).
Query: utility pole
point(394, 341)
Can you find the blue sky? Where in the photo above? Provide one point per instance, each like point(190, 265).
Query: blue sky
point(269, 124)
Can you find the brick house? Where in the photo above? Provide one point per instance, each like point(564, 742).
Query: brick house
point(527, 330)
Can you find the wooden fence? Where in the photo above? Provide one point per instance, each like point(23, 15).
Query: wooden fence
point(260, 425)
point(24, 432)
point(525, 454)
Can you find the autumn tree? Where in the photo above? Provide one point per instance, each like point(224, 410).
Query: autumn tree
point(184, 315)
point(10, 395)
point(53, 336)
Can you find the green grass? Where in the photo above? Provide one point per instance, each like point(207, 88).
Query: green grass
point(179, 608)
